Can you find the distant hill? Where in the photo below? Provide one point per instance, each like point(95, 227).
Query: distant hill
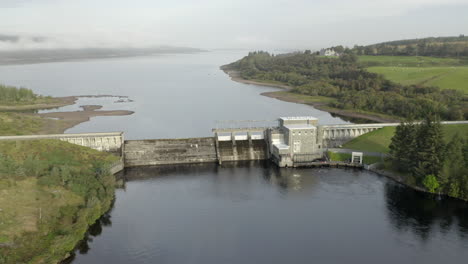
point(432, 46)
point(16, 38)
point(9, 38)
point(53, 55)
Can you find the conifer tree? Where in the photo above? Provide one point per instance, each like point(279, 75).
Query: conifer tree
point(430, 149)
point(454, 165)
point(403, 147)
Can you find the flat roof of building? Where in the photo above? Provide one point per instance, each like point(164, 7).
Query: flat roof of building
point(281, 146)
point(298, 118)
point(299, 126)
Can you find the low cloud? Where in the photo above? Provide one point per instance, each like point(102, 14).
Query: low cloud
point(227, 24)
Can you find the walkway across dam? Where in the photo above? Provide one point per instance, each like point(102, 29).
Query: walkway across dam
point(288, 141)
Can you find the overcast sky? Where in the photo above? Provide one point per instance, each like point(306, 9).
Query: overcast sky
point(210, 24)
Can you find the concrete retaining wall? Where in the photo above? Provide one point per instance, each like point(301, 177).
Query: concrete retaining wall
point(169, 151)
point(117, 167)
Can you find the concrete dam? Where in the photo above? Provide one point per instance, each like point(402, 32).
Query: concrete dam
point(288, 142)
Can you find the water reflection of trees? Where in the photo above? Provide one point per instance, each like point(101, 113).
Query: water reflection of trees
point(94, 230)
point(422, 213)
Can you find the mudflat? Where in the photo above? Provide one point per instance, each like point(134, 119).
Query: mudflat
point(71, 119)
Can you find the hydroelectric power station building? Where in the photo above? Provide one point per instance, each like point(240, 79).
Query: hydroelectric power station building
point(295, 140)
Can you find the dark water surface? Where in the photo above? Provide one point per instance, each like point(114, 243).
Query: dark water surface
point(256, 213)
point(238, 213)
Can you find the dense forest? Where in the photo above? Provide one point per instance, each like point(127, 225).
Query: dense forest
point(436, 47)
point(351, 84)
point(419, 151)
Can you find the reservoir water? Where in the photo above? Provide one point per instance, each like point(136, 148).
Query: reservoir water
point(175, 96)
point(245, 212)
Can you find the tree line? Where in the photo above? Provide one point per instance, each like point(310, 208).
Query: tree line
point(435, 47)
point(351, 84)
point(11, 94)
point(421, 154)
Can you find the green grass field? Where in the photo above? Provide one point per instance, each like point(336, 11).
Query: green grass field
point(410, 61)
point(447, 77)
point(379, 140)
point(446, 73)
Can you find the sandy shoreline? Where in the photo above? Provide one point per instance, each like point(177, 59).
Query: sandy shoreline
point(234, 75)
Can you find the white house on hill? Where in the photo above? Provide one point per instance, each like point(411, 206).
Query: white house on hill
point(328, 52)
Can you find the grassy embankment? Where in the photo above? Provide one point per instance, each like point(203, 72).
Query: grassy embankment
point(50, 192)
point(13, 123)
point(445, 73)
point(379, 140)
point(347, 156)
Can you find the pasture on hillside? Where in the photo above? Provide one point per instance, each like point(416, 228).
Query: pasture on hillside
point(410, 61)
point(447, 77)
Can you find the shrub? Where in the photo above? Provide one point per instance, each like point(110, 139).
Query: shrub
point(431, 183)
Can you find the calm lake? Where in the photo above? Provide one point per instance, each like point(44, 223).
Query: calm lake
point(237, 213)
point(175, 96)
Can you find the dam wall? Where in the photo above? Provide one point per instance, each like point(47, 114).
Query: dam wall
point(169, 151)
point(297, 140)
point(161, 151)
